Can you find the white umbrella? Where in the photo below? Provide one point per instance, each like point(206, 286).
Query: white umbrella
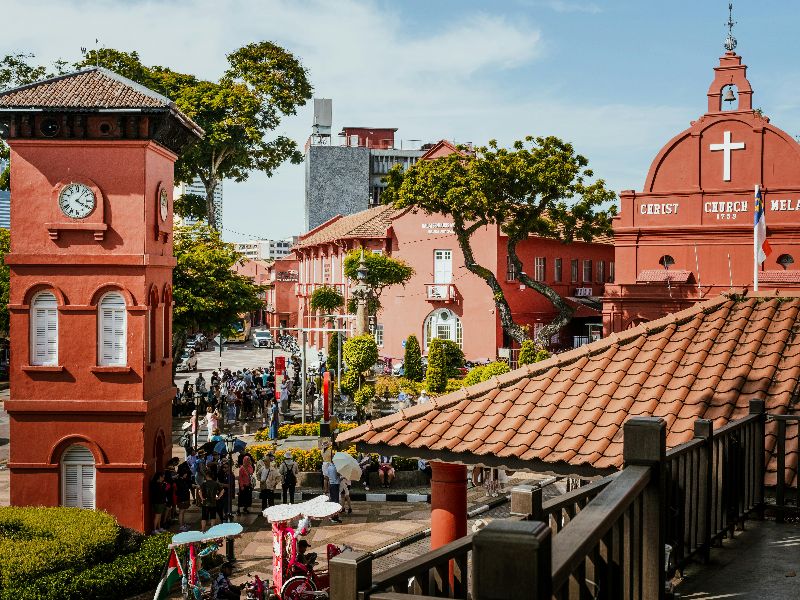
point(347, 466)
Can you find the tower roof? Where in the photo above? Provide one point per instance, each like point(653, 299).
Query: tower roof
point(93, 89)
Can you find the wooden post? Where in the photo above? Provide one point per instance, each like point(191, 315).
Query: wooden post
point(350, 573)
point(704, 429)
point(757, 407)
point(526, 500)
point(645, 444)
point(511, 561)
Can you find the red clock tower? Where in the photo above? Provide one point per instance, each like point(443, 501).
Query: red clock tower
point(92, 157)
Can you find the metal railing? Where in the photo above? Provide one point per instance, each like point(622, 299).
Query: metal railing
point(607, 539)
point(781, 506)
point(440, 292)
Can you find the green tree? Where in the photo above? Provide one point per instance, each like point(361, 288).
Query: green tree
point(412, 361)
point(382, 271)
point(453, 358)
point(538, 187)
point(436, 374)
point(239, 113)
point(208, 293)
point(5, 248)
point(332, 362)
point(530, 353)
point(15, 70)
point(191, 206)
point(326, 299)
point(359, 353)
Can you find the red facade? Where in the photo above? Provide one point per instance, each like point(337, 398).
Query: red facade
point(688, 235)
point(106, 384)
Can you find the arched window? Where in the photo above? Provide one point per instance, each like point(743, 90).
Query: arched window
point(445, 325)
point(785, 260)
point(151, 329)
point(77, 477)
point(666, 261)
point(44, 329)
point(112, 330)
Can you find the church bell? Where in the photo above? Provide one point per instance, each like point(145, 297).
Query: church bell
point(729, 96)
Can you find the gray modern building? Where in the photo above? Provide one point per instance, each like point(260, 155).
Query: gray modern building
point(346, 178)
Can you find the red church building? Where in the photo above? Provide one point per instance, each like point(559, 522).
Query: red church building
point(688, 236)
point(91, 261)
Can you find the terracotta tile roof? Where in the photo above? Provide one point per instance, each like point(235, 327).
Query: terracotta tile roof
point(565, 414)
point(663, 275)
point(370, 223)
point(779, 277)
point(94, 87)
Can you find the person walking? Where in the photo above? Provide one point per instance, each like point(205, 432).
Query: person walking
point(245, 486)
point(210, 493)
point(212, 421)
point(365, 462)
point(289, 472)
point(183, 492)
point(274, 419)
point(157, 496)
point(334, 480)
point(268, 479)
point(344, 494)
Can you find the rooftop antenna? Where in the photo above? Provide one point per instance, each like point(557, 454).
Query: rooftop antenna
point(730, 41)
point(84, 51)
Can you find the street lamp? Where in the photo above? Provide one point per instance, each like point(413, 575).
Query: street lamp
point(229, 443)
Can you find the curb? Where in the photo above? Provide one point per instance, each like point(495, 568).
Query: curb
point(370, 497)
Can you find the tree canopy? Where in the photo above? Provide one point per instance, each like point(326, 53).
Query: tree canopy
point(382, 271)
point(538, 187)
point(239, 112)
point(326, 299)
point(208, 294)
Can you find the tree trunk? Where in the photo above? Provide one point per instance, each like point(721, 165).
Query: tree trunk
point(211, 209)
point(514, 331)
point(565, 311)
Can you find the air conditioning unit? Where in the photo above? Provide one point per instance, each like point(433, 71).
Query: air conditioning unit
point(583, 291)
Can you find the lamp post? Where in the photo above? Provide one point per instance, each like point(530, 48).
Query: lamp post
point(362, 292)
point(229, 442)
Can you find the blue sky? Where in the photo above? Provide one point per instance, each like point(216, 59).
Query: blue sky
point(618, 78)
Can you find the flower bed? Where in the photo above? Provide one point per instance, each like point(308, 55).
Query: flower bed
point(304, 429)
point(311, 460)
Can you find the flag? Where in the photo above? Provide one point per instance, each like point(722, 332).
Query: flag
point(762, 247)
point(171, 577)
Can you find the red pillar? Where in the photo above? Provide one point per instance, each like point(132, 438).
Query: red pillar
point(448, 503)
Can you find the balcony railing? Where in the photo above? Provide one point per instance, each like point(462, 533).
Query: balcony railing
point(608, 539)
point(306, 289)
point(440, 292)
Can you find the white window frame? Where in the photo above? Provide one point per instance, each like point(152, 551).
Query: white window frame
point(539, 268)
point(115, 302)
point(434, 325)
point(44, 311)
point(79, 460)
point(378, 333)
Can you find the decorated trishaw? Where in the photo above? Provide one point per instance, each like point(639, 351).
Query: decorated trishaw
point(294, 576)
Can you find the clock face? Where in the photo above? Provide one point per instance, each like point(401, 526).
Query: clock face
point(77, 200)
point(163, 207)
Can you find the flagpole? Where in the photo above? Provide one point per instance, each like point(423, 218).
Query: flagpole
point(755, 246)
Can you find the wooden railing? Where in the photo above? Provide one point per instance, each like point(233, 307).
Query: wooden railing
point(781, 506)
point(608, 539)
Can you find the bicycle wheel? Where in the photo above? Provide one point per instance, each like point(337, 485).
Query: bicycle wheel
point(297, 588)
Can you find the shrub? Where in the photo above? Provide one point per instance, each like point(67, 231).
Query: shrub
point(385, 384)
point(412, 360)
point(66, 553)
point(363, 396)
point(408, 386)
point(453, 357)
point(350, 380)
point(436, 375)
point(333, 352)
point(486, 372)
point(453, 385)
point(360, 353)
point(530, 353)
point(308, 429)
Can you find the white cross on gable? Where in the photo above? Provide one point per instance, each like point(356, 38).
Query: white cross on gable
point(726, 146)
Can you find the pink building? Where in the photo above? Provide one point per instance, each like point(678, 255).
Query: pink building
point(280, 300)
point(443, 299)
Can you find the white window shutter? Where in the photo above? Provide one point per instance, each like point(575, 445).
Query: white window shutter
point(112, 332)
point(87, 486)
point(44, 330)
point(71, 477)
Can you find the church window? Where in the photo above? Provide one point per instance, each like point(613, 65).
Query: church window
point(44, 329)
point(539, 268)
point(785, 260)
point(77, 477)
point(574, 270)
point(167, 325)
point(587, 271)
point(445, 325)
point(557, 275)
point(666, 261)
point(112, 330)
